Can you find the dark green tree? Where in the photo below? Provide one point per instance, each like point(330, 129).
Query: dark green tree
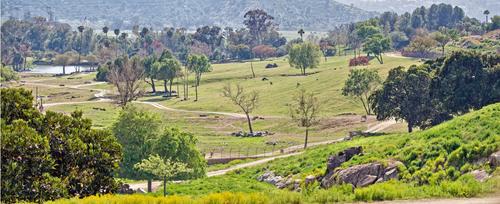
point(377, 45)
point(404, 96)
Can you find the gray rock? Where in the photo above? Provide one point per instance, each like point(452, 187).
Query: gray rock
point(310, 179)
point(480, 175)
point(360, 175)
point(366, 181)
point(140, 190)
point(495, 159)
point(391, 174)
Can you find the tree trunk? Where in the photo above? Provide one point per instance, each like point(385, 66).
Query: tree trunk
point(165, 86)
point(443, 49)
point(164, 186)
point(410, 127)
point(196, 91)
point(153, 85)
point(64, 69)
point(177, 87)
point(251, 66)
point(150, 183)
point(307, 135)
point(170, 92)
point(365, 106)
point(381, 59)
point(249, 123)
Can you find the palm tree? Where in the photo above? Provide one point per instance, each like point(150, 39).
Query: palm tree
point(486, 13)
point(80, 29)
point(105, 30)
point(117, 32)
point(301, 32)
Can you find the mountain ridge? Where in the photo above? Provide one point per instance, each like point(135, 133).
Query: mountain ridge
point(315, 15)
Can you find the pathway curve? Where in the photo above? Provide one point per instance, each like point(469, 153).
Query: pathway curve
point(268, 159)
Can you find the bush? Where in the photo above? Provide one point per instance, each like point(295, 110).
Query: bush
point(102, 73)
point(7, 74)
point(359, 61)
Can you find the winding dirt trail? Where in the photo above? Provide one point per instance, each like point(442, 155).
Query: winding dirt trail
point(377, 128)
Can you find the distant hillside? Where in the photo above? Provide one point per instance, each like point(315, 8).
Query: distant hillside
point(289, 14)
point(472, 8)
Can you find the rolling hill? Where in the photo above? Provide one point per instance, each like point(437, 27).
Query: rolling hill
point(318, 15)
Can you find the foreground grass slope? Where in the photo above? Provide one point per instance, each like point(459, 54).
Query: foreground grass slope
point(437, 162)
point(432, 159)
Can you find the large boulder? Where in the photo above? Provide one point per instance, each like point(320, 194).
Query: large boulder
point(335, 161)
point(270, 177)
point(480, 175)
point(495, 159)
point(362, 175)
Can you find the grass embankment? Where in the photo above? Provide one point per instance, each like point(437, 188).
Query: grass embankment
point(436, 164)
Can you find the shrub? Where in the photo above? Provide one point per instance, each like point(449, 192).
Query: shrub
point(359, 61)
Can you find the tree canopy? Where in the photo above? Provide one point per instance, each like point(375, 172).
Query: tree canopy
point(304, 55)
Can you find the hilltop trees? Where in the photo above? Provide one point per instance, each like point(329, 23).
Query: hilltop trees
point(198, 64)
point(429, 94)
point(246, 101)
point(305, 110)
point(258, 22)
point(360, 84)
point(303, 56)
point(52, 155)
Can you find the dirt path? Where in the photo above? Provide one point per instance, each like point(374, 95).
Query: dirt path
point(159, 106)
point(377, 128)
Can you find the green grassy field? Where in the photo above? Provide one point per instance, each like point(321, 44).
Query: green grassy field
point(327, 83)
point(214, 131)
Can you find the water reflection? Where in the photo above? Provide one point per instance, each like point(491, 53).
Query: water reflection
point(50, 69)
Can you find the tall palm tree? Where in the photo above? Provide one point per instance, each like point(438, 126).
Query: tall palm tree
point(105, 30)
point(80, 29)
point(117, 32)
point(486, 13)
point(301, 33)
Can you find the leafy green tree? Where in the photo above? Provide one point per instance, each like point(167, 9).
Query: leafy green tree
point(163, 168)
point(305, 110)
point(7, 74)
point(258, 23)
point(303, 56)
point(462, 84)
point(360, 84)
point(247, 101)
point(405, 95)
point(150, 70)
point(141, 134)
point(377, 45)
point(366, 31)
point(135, 130)
point(198, 64)
point(52, 155)
point(167, 70)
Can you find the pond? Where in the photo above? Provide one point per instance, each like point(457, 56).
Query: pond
point(51, 69)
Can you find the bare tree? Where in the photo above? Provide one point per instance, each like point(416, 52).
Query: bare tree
point(246, 101)
point(304, 110)
point(126, 75)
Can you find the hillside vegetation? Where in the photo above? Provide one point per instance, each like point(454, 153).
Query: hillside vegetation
point(312, 15)
point(436, 164)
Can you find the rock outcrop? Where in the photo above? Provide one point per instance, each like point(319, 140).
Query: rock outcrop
point(495, 159)
point(279, 181)
point(362, 175)
point(480, 175)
